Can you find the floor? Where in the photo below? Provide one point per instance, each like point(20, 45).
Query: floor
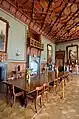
point(55, 108)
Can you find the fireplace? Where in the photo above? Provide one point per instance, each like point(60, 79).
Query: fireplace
point(34, 64)
point(3, 72)
point(3, 69)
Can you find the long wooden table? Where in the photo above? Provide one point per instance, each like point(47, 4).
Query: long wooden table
point(22, 84)
point(34, 82)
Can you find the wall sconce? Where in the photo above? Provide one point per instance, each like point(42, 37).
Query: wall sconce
point(17, 53)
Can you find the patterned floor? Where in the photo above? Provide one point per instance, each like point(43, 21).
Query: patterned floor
point(67, 108)
point(55, 108)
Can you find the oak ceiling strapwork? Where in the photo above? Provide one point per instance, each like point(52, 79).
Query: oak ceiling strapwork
point(56, 19)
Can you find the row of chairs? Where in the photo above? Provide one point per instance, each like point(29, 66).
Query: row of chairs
point(45, 90)
point(34, 96)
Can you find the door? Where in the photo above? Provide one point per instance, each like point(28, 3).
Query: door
point(60, 58)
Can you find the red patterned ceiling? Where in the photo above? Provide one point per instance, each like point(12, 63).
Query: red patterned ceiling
point(56, 19)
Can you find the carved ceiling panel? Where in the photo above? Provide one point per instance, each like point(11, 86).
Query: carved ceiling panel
point(56, 19)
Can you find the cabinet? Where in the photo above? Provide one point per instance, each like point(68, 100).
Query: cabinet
point(34, 40)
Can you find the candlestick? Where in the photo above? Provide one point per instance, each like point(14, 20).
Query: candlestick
point(57, 71)
point(69, 61)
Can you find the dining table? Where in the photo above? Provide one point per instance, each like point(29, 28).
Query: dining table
point(35, 81)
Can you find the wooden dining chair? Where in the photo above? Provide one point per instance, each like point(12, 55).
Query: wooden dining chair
point(51, 86)
point(16, 94)
point(46, 90)
point(69, 78)
point(65, 79)
point(36, 96)
point(39, 93)
point(59, 83)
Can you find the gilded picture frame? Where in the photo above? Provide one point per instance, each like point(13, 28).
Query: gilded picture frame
point(4, 27)
point(72, 52)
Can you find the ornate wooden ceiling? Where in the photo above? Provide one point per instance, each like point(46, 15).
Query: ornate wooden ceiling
point(56, 19)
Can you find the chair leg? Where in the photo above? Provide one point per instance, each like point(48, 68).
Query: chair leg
point(46, 95)
point(35, 103)
point(35, 106)
point(65, 82)
point(40, 102)
point(7, 95)
point(54, 88)
point(60, 86)
point(14, 99)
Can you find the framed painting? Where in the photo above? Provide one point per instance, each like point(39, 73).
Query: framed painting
point(4, 26)
point(72, 52)
point(49, 54)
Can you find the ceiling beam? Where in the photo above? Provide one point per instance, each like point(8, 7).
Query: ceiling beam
point(74, 33)
point(32, 10)
point(70, 29)
point(42, 25)
point(18, 9)
point(1, 1)
point(25, 2)
point(69, 37)
point(72, 26)
point(63, 40)
point(60, 38)
point(58, 16)
point(29, 10)
point(15, 1)
point(65, 23)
